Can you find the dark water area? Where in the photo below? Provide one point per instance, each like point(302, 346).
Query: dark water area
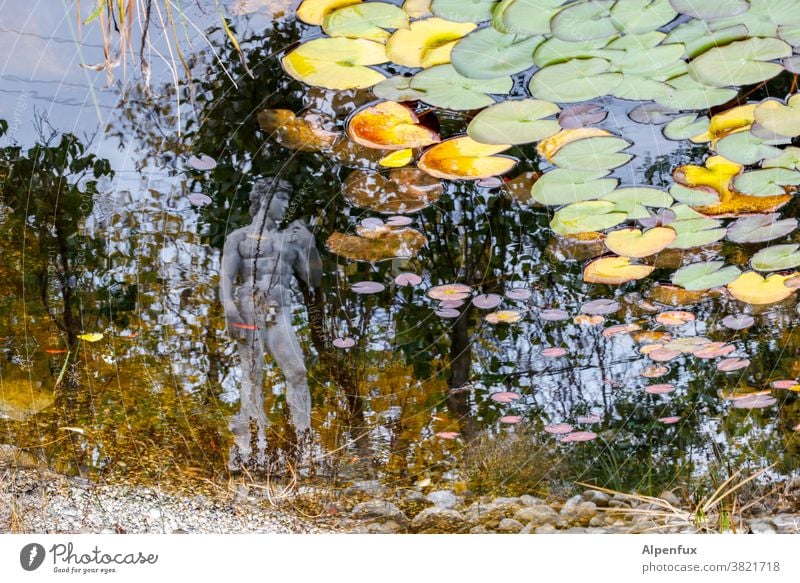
point(121, 360)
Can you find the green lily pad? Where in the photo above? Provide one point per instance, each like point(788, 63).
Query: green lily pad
point(397, 89)
point(595, 153)
point(641, 16)
point(637, 42)
point(693, 229)
point(487, 53)
point(745, 148)
point(583, 21)
point(743, 62)
point(707, 275)
point(689, 94)
point(764, 17)
point(638, 88)
point(514, 122)
point(760, 228)
point(554, 51)
point(649, 61)
point(633, 200)
point(779, 119)
point(559, 186)
point(790, 33)
point(767, 182)
point(776, 258)
point(788, 158)
point(575, 80)
point(686, 126)
point(694, 196)
point(464, 10)
point(525, 16)
point(710, 10)
point(365, 20)
point(697, 37)
point(445, 88)
point(586, 217)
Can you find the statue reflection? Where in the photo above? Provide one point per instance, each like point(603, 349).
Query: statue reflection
point(258, 264)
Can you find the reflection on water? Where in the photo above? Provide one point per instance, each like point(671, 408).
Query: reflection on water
point(227, 326)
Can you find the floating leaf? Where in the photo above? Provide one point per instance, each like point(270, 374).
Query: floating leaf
point(777, 258)
point(578, 436)
point(366, 20)
point(464, 10)
point(669, 420)
point(487, 301)
point(386, 243)
point(694, 197)
point(788, 158)
point(504, 317)
point(660, 389)
point(202, 163)
point(633, 243)
point(589, 419)
point(754, 402)
point(553, 315)
point(578, 116)
point(614, 271)
point(450, 291)
point(732, 364)
point(554, 352)
point(686, 127)
point(561, 186)
point(595, 153)
point(705, 10)
point(651, 114)
point(447, 313)
point(690, 94)
point(200, 199)
point(586, 320)
point(743, 62)
point(752, 288)
point(518, 293)
point(367, 287)
point(558, 428)
point(314, 11)
point(514, 122)
point(675, 318)
point(505, 397)
point(418, 8)
point(633, 200)
point(407, 279)
point(697, 37)
point(389, 126)
point(397, 89)
point(404, 190)
point(344, 343)
point(91, 337)
point(740, 322)
point(585, 217)
point(702, 276)
point(760, 228)
point(787, 385)
point(767, 182)
point(488, 53)
point(600, 307)
point(447, 435)
point(443, 87)
point(397, 159)
point(336, 63)
point(426, 42)
point(745, 148)
point(525, 16)
point(305, 134)
point(575, 80)
point(620, 329)
point(463, 158)
point(510, 419)
point(598, 19)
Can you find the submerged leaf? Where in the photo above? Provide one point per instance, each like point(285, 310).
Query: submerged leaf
point(387, 243)
point(389, 126)
point(404, 190)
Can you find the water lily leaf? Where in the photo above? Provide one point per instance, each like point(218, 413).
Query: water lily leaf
point(697, 232)
point(780, 119)
point(463, 158)
point(578, 116)
point(559, 186)
point(634, 17)
point(389, 126)
point(525, 16)
point(586, 217)
point(397, 89)
point(615, 271)
point(639, 88)
point(743, 62)
point(306, 134)
point(314, 11)
point(575, 80)
point(690, 94)
point(764, 17)
point(487, 53)
point(443, 87)
point(694, 197)
point(336, 63)
point(397, 159)
point(426, 42)
point(705, 10)
point(649, 62)
point(514, 122)
point(697, 37)
point(651, 114)
point(404, 190)
point(583, 21)
point(633, 200)
point(702, 276)
point(767, 182)
point(554, 51)
point(776, 258)
point(464, 10)
point(636, 42)
point(632, 242)
point(91, 337)
point(745, 148)
point(551, 145)
point(760, 228)
point(365, 20)
point(788, 158)
point(417, 8)
point(504, 317)
point(595, 153)
point(381, 244)
point(752, 288)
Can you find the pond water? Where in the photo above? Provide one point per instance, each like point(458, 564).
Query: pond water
point(564, 295)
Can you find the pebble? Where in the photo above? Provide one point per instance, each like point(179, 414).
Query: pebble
point(509, 526)
point(442, 499)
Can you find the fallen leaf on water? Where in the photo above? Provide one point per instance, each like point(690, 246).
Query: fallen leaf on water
point(389, 126)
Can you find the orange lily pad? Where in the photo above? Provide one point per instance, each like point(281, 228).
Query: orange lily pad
point(614, 271)
point(463, 158)
point(389, 126)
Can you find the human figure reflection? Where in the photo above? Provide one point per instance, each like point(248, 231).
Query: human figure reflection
point(258, 264)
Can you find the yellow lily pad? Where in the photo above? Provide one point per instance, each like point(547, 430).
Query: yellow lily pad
point(93, 337)
point(752, 288)
point(426, 42)
point(614, 271)
point(463, 158)
point(550, 146)
point(305, 134)
point(729, 121)
point(397, 159)
point(336, 63)
point(633, 243)
point(314, 11)
point(389, 126)
point(780, 119)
